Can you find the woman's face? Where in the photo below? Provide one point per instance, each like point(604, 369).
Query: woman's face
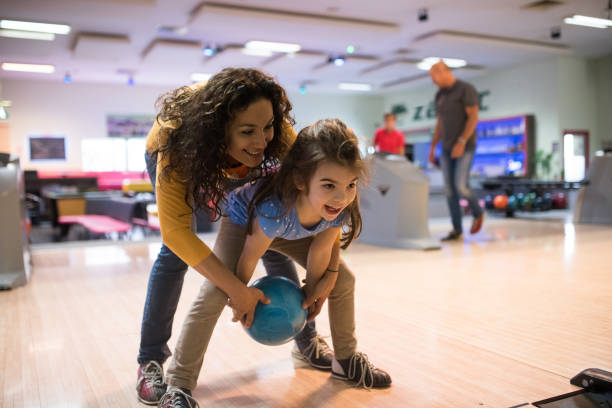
point(250, 131)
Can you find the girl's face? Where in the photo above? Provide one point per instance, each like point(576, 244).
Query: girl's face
point(250, 131)
point(330, 190)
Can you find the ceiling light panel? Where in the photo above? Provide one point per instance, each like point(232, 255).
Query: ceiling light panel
point(35, 68)
point(26, 35)
point(585, 21)
point(36, 27)
point(355, 86)
point(273, 46)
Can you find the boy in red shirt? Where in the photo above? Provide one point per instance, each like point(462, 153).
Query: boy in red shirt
point(389, 139)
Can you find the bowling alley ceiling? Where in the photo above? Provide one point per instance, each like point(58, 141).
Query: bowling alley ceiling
point(164, 42)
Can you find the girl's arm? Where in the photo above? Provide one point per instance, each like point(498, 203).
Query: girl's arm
point(322, 269)
point(255, 246)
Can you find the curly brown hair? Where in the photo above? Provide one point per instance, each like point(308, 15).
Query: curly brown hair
point(196, 119)
point(325, 140)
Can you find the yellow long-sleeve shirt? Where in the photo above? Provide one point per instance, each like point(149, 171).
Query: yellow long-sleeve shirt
point(174, 213)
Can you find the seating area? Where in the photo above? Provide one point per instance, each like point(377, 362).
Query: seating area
point(108, 205)
point(98, 224)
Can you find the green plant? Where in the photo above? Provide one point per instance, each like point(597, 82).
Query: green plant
point(543, 163)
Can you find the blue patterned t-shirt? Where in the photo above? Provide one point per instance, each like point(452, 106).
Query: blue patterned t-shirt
point(272, 216)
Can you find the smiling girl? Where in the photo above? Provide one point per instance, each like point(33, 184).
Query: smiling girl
point(306, 210)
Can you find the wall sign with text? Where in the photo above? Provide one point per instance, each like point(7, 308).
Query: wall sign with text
point(428, 111)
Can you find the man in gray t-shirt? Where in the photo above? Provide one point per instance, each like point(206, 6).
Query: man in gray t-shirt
point(457, 116)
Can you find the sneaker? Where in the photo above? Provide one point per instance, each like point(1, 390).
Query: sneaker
point(359, 370)
point(316, 353)
point(452, 236)
point(177, 397)
point(150, 385)
point(477, 224)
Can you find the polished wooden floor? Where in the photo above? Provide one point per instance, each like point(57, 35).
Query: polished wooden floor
point(504, 318)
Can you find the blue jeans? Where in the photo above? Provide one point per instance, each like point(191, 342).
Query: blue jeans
point(164, 291)
point(456, 175)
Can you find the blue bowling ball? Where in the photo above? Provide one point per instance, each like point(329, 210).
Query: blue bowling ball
point(281, 320)
point(520, 200)
point(512, 203)
point(547, 202)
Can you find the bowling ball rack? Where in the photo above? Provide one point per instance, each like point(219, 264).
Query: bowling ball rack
point(528, 195)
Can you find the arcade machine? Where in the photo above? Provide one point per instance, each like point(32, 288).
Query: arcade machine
point(594, 203)
point(14, 251)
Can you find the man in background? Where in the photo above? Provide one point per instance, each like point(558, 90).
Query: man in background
point(457, 116)
point(389, 139)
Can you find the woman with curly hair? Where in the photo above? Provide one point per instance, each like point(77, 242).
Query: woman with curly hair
point(307, 211)
point(207, 140)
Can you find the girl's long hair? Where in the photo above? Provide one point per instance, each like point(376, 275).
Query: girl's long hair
point(325, 140)
point(196, 120)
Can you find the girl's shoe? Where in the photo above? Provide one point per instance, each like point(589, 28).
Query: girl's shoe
point(360, 371)
point(316, 353)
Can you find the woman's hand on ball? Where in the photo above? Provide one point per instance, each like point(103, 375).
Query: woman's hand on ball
point(244, 306)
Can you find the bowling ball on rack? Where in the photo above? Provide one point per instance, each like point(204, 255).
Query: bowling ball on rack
point(528, 202)
point(538, 204)
point(500, 202)
point(520, 200)
point(560, 201)
point(512, 203)
point(546, 201)
point(489, 202)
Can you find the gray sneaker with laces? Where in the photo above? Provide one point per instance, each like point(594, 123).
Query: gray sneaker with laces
point(360, 371)
point(316, 353)
point(177, 397)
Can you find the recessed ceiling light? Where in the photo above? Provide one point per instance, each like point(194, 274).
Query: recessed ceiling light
point(586, 21)
point(354, 86)
point(38, 68)
point(27, 35)
point(272, 46)
point(37, 27)
point(209, 51)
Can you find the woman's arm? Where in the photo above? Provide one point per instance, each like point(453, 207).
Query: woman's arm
point(175, 222)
